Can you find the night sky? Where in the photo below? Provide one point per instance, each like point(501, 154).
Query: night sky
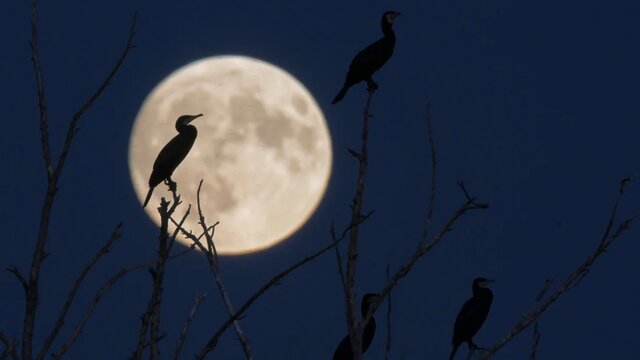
point(533, 105)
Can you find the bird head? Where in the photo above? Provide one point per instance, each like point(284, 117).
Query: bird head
point(368, 300)
point(390, 16)
point(481, 282)
point(184, 120)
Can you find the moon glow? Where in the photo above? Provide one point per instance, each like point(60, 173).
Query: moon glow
point(263, 150)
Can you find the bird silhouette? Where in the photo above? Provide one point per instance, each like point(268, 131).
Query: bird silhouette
point(343, 351)
point(172, 154)
point(472, 315)
point(369, 60)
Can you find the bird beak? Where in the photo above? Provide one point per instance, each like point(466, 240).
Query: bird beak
point(193, 117)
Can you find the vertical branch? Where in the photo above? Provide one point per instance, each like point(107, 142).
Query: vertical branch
point(355, 327)
point(212, 258)
point(150, 320)
point(339, 260)
point(434, 163)
point(187, 323)
point(387, 352)
point(213, 341)
point(53, 176)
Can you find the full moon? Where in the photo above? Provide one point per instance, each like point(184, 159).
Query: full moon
point(263, 150)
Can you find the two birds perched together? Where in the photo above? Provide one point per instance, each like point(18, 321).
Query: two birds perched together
point(469, 320)
point(473, 313)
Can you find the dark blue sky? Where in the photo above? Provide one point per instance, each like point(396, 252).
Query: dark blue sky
point(534, 106)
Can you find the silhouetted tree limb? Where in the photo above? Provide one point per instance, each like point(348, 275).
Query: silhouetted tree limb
point(212, 258)
point(536, 332)
point(434, 166)
point(187, 323)
point(10, 347)
point(213, 341)
point(608, 238)
point(14, 270)
point(53, 173)
point(425, 247)
point(101, 293)
point(387, 351)
point(355, 327)
point(115, 235)
point(150, 320)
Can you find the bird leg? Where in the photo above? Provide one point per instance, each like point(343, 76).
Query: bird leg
point(371, 85)
point(171, 184)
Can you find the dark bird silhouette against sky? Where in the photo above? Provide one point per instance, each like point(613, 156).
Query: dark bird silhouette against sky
point(472, 315)
point(343, 352)
point(369, 60)
point(173, 153)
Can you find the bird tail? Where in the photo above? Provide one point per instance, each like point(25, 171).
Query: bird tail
point(146, 200)
point(341, 94)
point(453, 351)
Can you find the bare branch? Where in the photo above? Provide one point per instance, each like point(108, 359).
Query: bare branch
point(343, 279)
point(212, 258)
point(434, 163)
point(356, 328)
point(150, 320)
point(213, 341)
point(187, 323)
point(39, 253)
point(101, 293)
point(73, 124)
point(424, 248)
point(14, 270)
point(387, 351)
point(74, 290)
point(574, 278)
point(10, 347)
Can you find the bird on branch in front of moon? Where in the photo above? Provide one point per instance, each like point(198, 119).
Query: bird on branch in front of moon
point(172, 154)
point(369, 60)
point(472, 315)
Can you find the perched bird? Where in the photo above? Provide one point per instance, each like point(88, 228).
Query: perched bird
point(343, 352)
point(472, 315)
point(173, 153)
point(369, 60)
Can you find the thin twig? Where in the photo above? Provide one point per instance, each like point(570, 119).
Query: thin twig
point(187, 323)
point(424, 248)
point(74, 290)
point(212, 259)
point(574, 278)
point(10, 347)
point(14, 270)
point(343, 279)
point(213, 341)
point(101, 293)
point(53, 176)
point(387, 352)
point(434, 163)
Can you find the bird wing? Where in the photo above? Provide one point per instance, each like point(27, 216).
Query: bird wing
point(371, 58)
point(170, 157)
point(470, 318)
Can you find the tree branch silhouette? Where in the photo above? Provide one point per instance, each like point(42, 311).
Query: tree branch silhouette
point(115, 235)
point(10, 347)
point(185, 328)
point(387, 350)
point(101, 293)
point(213, 341)
point(608, 238)
point(150, 320)
point(212, 259)
point(53, 173)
